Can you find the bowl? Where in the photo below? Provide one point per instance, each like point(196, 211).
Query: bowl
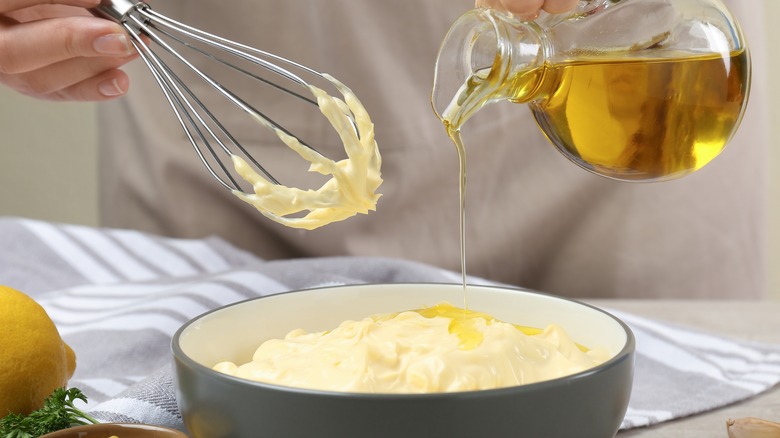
point(588, 404)
point(106, 430)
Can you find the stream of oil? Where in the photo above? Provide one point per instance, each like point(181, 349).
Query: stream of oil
point(454, 134)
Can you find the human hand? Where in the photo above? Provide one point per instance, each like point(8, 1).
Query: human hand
point(56, 50)
point(528, 9)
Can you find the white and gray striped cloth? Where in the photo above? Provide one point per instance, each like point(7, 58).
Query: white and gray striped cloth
point(118, 296)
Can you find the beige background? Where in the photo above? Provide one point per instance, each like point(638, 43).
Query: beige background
point(58, 141)
point(773, 58)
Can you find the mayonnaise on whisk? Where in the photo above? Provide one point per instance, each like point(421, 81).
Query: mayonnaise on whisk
point(352, 188)
point(437, 349)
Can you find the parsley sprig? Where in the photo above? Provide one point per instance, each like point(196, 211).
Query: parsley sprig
point(58, 412)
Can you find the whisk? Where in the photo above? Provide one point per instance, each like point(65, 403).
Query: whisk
point(211, 140)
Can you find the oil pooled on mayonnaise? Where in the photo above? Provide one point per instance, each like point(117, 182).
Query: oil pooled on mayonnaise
point(436, 349)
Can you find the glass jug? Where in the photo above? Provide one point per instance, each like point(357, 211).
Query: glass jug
point(633, 90)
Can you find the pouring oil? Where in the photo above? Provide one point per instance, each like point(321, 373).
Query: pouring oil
point(622, 117)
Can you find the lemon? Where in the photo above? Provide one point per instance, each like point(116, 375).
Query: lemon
point(34, 361)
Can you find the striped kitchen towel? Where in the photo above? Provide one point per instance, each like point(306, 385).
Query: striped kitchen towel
point(118, 296)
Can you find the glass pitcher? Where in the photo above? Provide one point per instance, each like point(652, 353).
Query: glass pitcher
point(633, 90)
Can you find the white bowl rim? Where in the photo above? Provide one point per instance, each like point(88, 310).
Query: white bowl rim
point(625, 353)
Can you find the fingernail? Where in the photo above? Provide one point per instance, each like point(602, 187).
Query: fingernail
point(110, 88)
point(115, 44)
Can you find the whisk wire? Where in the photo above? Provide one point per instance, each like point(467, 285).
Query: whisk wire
point(235, 67)
point(178, 102)
point(208, 136)
point(238, 49)
point(222, 44)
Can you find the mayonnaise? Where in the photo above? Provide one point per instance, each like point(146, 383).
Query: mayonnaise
point(437, 349)
point(352, 188)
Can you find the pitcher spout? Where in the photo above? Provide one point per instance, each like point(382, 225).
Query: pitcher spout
point(482, 50)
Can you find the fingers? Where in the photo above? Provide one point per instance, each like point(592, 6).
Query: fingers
point(559, 6)
point(107, 85)
point(528, 9)
point(29, 46)
point(15, 5)
point(77, 79)
point(62, 57)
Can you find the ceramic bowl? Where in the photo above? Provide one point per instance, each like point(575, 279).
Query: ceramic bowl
point(584, 405)
point(107, 430)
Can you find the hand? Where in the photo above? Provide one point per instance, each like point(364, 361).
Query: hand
point(61, 52)
point(529, 9)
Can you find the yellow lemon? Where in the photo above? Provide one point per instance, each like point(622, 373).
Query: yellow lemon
point(34, 361)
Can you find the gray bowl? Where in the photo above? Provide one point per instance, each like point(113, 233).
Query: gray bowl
point(588, 404)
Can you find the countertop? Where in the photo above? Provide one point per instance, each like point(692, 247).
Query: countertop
point(757, 321)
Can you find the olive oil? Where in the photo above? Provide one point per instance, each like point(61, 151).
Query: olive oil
point(463, 323)
point(651, 119)
point(454, 134)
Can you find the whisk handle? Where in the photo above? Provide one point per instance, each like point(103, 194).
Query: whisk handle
point(116, 10)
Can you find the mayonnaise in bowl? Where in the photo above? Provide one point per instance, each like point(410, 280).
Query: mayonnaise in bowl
point(435, 349)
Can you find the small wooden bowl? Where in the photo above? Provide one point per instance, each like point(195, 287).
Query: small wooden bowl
point(107, 430)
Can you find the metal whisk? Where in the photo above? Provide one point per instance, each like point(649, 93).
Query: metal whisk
point(205, 132)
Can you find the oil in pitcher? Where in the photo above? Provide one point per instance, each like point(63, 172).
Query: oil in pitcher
point(636, 90)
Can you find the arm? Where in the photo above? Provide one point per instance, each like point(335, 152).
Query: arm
point(61, 52)
point(529, 9)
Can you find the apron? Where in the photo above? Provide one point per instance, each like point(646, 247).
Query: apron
point(533, 219)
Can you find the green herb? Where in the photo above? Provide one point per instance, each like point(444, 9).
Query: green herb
point(58, 412)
